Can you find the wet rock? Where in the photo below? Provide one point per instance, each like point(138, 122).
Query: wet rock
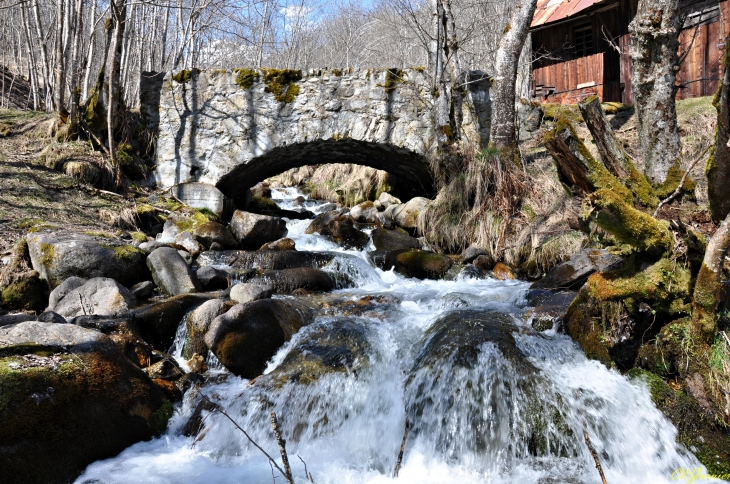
point(211, 278)
point(214, 233)
point(248, 335)
point(197, 324)
point(101, 296)
point(65, 387)
point(286, 281)
point(57, 256)
point(26, 291)
point(503, 272)
point(385, 259)
point(329, 207)
point(471, 253)
point(171, 273)
point(195, 423)
point(321, 221)
point(253, 230)
point(295, 214)
point(551, 310)
point(406, 215)
point(471, 271)
point(364, 212)
point(422, 265)
point(186, 241)
point(197, 364)
point(484, 262)
point(64, 288)
point(339, 345)
point(165, 369)
point(169, 389)
point(394, 239)
point(385, 220)
point(246, 292)
point(261, 189)
point(339, 228)
point(51, 317)
point(143, 290)
point(574, 272)
point(266, 260)
point(279, 245)
point(158, 322)
point(386, 200)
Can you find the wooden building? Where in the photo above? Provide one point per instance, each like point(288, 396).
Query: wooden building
point(581, 48)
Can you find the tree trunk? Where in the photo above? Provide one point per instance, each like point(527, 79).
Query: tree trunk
point(610, 150)
point(502, 134)
point(708, 288)
point(90, 57)
point(119, 13)
point(654, 43)
point(718, 166)
point(44, 55)
point(571, 170)
point(436, 56)
point(451, 49)
point(58, 68)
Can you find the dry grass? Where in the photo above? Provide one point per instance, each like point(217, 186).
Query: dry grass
point(343, 183)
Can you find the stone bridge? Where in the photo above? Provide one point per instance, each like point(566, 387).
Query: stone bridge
point(235, 128)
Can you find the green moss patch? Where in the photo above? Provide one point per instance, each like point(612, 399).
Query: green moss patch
point(184, 76)
point(282, 83)
point(245, 78)
point(674, 178)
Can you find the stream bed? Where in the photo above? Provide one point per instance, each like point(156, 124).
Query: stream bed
point(487, 398)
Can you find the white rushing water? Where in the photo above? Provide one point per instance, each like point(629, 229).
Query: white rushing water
point(508, 408)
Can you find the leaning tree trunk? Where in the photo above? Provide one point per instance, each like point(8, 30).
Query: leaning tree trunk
point(502, 134)
point(654, 43)
point(708, 288)
point(718, 166)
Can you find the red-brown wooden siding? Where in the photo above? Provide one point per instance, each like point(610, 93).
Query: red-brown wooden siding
point(556, 79)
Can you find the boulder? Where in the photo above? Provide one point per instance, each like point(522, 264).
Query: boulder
point(248, 335)
point(201, 195)
point(253, 230)
point(186, 257)
point(321, 221)
point(338, 227)
point(261, 189)
point(57, 256)
point(64, 288)
point(484, 262)
point(209, 233)
point(186, 241)
point(158, 322)
point(26, 291)
point(143, 290)
point(279, 245)
point(294, 214)
point(185, 219)
point(471, 253)
point(69, 398)
point(100, 296)
point(171, 273)
point(385, 220)
point(550, 312)
point(394, 239)
point(574, 272)
point(503, 272)
point(8, 319)
point(265, 260)
point(211, 278)
point(386, 200)
point(51, 317)
point(247, 292)
point(406, 215)
point(286, 281)
point(385, 259)
point(422, 265)
point(364, 212)
point(197, 324)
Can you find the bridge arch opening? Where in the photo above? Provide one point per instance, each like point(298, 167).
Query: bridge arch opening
point(411, 170)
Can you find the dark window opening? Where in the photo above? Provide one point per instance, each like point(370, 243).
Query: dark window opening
point(583, 40)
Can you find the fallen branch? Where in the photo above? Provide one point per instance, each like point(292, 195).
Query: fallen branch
point(593, 453)
point(678, 190)
point(306, 472)
point(282, 449)
point(402, 448)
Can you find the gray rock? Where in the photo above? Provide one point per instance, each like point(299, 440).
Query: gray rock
point(406, 215)
point(339, 227)
point(211, 233)
point(364, 212)
point(186, 257)
point(152, 245)
point(279, 245)
point(143, 290)
point(393, 239)
point(64, 288)
point(247, 292)
point(328, 207)
point(385, 220)
point(58, 256)
point(101, 296)
point(265, 260)
point(188, 243)
point(201, 195)
point(574, 272)
point(51, 317)
point(211, 278)
point(484, 262)
point(550, 312)
point(253, 230)
point(198, 322)
point(171, 273)
point(286, 281)
point(471, 253)
point(386, 200)
point(16, 318)
point(248, 335)
point(158, 322)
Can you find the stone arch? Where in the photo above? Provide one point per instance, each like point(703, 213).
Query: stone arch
point(413, 176)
